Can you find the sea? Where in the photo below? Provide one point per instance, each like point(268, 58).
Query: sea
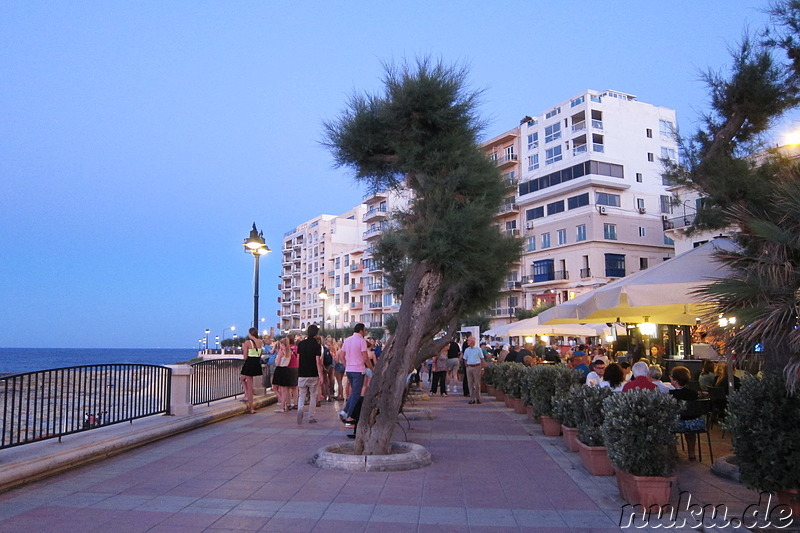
point(19, 360)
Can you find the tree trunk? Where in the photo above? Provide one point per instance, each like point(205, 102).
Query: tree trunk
point(416, 324)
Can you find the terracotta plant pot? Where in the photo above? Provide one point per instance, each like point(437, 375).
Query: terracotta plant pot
point(500, 395)
point(484, 387)
point(489, 389)
point(519, 407)
point(790, 497)
point(509, 401)
point(570, 437)
point(529, 410)
point(550, 426)
point(644, 490)
point(595, 460)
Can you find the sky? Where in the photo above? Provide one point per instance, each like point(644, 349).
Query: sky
point(139, 141)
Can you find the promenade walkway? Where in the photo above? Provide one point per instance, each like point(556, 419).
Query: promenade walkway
point(492, 471)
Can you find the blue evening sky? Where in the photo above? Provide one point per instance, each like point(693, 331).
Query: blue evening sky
point(140, 140)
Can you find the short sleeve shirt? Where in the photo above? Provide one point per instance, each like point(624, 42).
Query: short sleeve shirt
point(308, 350)
point(473, 356)
point(353, 347)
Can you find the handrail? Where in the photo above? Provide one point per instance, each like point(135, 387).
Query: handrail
point(51, 403)
point(215, 379)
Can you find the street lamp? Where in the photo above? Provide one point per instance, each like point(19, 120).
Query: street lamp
point(255, 245)
point(232, 328)
point(323, 295)
point(207, 332)
point(216, 342)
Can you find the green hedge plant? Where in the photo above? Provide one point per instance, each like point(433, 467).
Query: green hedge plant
point(515, 376)
point(639, 431)
point(764, 421)
point(589, 413)
point(565, 407)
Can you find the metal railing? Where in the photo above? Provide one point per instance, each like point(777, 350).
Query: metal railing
point(52, 403)
point(215, 379)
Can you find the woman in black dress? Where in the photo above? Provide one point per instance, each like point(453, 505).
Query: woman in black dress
point(251, 350)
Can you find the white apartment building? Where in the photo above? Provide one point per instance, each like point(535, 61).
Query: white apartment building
point(335, 252)
point(590, 196)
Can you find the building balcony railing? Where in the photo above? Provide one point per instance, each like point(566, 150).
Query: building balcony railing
point(677, 222)
point(372, 232)
point(374, 214)
point(356, 286)
point(331, 273)
point(597, 124)
point(356, 267)
point(375, 305)
point(375, 195)
point(512, 286)
point(597, 147)
point(580, 149)
point(586, 272)
point(506, 160)
point(355, 306)
point(508, 208)
point(579, 126)
point(375, 324)
point(504, 311)
point(377, 286)
point(556, 275)
point(512, 232)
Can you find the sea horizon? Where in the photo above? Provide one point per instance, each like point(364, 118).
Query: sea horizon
point(21, 360)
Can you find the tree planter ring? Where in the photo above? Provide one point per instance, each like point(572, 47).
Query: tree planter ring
point(403, 456)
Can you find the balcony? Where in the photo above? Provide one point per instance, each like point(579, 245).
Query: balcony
point(512, 232)
point(356, 267)
point(677, 222)
point(331, 273)
point(377, 286)
point(547, 277)
point(597, 124)
point(512, 286)
point(375, 325)
point(579, 126)
point(375, 267)
point(375, 305)
point(372, 232)
point(586, 273)
point(376, 213)
point(508, 208)
point(355, 306)
point(580, 149)
point(504, 311)
point(356, 286)
point(597, 147)
point(357, 252)
point(506, 160)
point(375, 195)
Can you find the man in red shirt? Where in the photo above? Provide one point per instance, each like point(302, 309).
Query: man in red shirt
point(640, 378)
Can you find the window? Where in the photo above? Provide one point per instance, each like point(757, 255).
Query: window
point(649, 133)
point(533, 162)
point(347, 279)
point(552, 132)
point(574, 202)
point(666, 128)
point(643, 263)
point(543, 270)
point(552, 155)
point(533, 214)
point(553, 112)
point(642, 231)
point(531, 247)
point(615, 265)
point(610, 232)
point(604, 198)
point(640, 203)
point(668, 153)
point(562, 236)
point(668, 241)
point(577, 101)
point(666, 204)
point(545, 240)
point(513, 301)
point(533, 141)
point(555, 207)
point(571, 173)
point(580, 234)
point(650, 157)
point(338, 281)
point(510, 153)
point(638, 177)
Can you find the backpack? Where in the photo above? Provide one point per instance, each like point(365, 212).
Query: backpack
point(327, 358)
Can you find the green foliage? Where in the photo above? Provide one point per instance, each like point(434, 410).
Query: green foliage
point(422, 134)
point(508, 378)
point(522, 314)
point(490, 373)
point(480, 320)
point(541, 383)
point(765, 425)
point(376, 333)
point(391, 323)
point(565, 407)
point(590, 414)
point(639, 430)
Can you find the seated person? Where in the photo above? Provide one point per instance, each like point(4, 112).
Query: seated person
point(691, 419)
point(613, 377)
point(640, 378)
point(707, 375)
point(596, 370)
point(655, 374)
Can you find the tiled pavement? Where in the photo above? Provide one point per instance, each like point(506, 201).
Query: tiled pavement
point(492, 470)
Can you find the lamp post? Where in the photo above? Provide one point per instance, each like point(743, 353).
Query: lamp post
point(216, 342)
point(232, 328)
point(207, 332)
point(323, 295)
point(255, 245)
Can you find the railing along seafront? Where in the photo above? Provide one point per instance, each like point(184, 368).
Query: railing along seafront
point(215, 379)
point(52, 403)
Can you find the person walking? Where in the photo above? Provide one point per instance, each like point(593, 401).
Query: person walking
point(282, 378)
point(439, 370)
point(309, 372)
point(453, 355)
point(356, 363)
point(251, 351)
point(474, 361)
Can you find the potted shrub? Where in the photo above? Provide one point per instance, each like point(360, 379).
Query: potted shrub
point(542, 382)
point(500, 380)
point(589, 417)
point(639, 432)
point(517, 378)
point(565, 412)
point(764, 421)
point(488, 377)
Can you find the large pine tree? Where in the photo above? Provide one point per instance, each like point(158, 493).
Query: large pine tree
point(443, 257)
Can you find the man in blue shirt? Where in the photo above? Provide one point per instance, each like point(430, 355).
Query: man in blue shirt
point(474, 361)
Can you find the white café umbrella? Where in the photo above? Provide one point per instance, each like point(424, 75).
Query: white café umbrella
point(499, 331)
point(661, 294)
point(531, 326)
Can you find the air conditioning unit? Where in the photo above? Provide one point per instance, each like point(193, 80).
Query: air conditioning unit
point(642, 210)
point(664, 217)
point(529, 224)
point(602, 210)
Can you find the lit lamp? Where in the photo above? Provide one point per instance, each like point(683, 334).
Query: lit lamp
point(207, 332)
point(323, 295)
point(529, 339)
point(647, 327)
point(545, 339)
point(255, 245)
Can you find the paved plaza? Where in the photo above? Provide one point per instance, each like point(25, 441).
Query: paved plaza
point(492, 470)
